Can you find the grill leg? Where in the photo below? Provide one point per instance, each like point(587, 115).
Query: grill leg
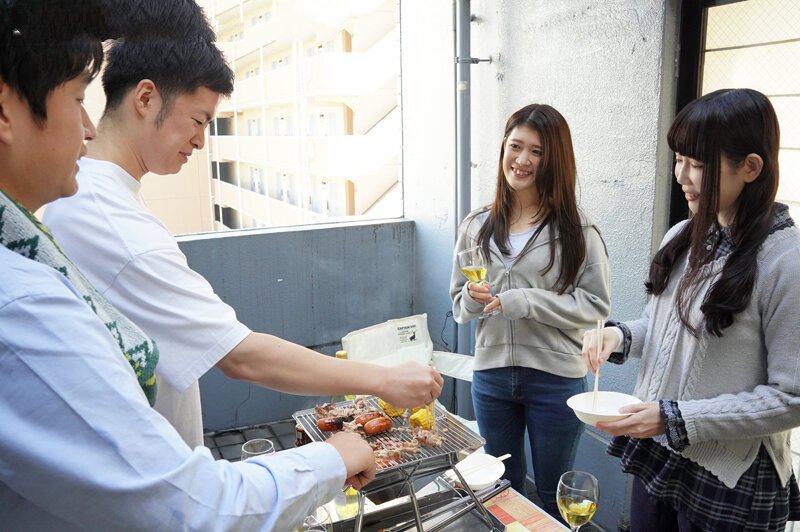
point(360, 515)
point(478, 505)
point(415, 505)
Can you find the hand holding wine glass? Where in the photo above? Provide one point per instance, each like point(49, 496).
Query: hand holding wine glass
point(577, 496)
point(473, 265)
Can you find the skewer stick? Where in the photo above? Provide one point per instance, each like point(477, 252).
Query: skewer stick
point(597, 375)
point(430, 408)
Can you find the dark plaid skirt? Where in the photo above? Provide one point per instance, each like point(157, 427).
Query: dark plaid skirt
point(757, 502)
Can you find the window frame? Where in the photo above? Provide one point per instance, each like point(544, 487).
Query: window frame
point(692, 36)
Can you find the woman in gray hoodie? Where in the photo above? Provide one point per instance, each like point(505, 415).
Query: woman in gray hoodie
point(549, 280)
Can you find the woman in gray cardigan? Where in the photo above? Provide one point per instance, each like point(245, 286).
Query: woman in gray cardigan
point(720, 355)
point(548, 270)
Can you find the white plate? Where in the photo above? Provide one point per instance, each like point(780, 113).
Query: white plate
point(483, 477)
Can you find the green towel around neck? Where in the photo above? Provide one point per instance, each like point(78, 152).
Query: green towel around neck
point(21, 232)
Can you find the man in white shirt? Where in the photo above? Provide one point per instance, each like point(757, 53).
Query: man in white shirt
point(160, 97)
point(80, 446)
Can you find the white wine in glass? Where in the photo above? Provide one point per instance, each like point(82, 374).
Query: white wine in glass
point(577, 496)
point(473, 265)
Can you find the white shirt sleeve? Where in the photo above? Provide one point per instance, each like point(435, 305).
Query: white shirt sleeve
point(79, 443)
point(178, 308)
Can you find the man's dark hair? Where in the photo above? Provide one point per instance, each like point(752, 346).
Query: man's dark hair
point(179, 58)
point(44, 43)
point(174, 66)
point(172, 19)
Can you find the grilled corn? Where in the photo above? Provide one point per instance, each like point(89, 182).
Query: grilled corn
point(422, 418)
point(389, 410)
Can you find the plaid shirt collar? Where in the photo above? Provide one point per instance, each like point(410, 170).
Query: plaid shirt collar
point(721, 240)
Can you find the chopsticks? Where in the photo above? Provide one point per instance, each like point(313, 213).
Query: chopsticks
point(597, 354)
point(477, 467)
point(452, 476)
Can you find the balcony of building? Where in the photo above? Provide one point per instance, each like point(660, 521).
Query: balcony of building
point(355, 155)
point(333, 75)
point(218, 7)
point(247, 93)
point(329, 155)
point(314, 284)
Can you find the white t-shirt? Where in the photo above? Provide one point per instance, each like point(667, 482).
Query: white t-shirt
point(517, 241)
point(134, 261)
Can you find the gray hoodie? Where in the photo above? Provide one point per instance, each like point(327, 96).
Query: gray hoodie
point(539, 328)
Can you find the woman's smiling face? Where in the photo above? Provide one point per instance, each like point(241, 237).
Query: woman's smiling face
point(732, 179)
point(523, 152)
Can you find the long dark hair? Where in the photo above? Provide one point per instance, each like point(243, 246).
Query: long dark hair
point(730, 123)
point(555, 182)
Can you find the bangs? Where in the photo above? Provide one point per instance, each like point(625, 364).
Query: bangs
point(87, 57)
point(82, 55)
point(689, 134)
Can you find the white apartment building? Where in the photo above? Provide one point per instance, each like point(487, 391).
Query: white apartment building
point(312, 130)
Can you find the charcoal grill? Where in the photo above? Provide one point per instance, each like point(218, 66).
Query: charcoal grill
point(402, 472)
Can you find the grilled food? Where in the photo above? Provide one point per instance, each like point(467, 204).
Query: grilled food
point(422, 419)
point(378, 425)
point(391, 411)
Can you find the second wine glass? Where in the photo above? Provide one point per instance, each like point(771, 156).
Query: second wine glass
point(577, 496)
point(317, 521)
point(257, 447)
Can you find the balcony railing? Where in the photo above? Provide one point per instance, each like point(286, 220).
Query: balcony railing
point(248, 92)
point(221, 6)
point(280, 84)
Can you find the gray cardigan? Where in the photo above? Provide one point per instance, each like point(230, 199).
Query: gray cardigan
point(539, 328)
point(739, 391)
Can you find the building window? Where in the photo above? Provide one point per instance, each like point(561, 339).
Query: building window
point(316, 128)
point(753, 44)
point(254, 126)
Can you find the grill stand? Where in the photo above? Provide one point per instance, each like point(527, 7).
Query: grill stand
point(403, 471)
point(408, 482)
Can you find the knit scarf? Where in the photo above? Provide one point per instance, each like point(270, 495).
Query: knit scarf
point(21, 232)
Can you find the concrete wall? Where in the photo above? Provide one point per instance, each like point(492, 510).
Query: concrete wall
point(607, 65)
point(309, 285)
point(428, 112)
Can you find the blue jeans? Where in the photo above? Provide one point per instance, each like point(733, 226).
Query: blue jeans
point(509, 400)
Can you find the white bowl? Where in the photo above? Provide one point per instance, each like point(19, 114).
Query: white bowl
point(608, 405)
point(481, 477)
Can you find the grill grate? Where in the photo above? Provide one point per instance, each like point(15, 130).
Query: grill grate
point(457, 437)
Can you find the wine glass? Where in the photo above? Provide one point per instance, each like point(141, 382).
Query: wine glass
point(257, 447)
point(346, 503)
point(577, 496)
point(473, 265)
point(317, 521)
